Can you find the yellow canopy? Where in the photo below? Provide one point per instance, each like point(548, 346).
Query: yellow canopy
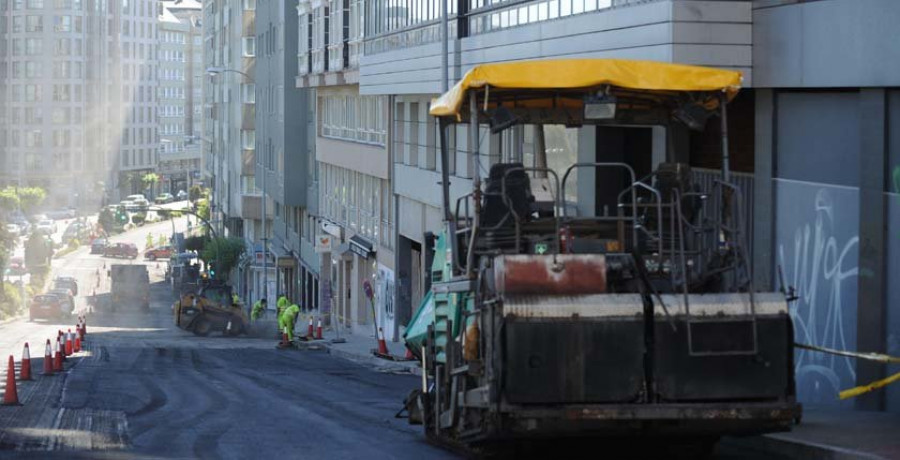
point(587, 73)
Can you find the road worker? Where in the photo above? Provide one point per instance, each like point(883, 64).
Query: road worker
point(281, 304)
point(287, 319)
point(258, 308)
point(235, 300)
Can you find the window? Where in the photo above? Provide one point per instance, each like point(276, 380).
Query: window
point(35, 4)
point(32, 23)
point(62, 23)
point(249, 46)
point(248, 93)
point(354, 118)
point(248, 140)
point(249, 5)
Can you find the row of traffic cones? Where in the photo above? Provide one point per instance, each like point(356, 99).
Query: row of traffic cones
point(52, 364)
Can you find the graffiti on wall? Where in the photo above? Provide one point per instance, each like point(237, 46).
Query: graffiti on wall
point(817, 245)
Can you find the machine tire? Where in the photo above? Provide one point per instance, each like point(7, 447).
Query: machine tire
point(202, 327)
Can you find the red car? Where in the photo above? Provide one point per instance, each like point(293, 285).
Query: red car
point(47, 306)
point(126, 250)
point(163, 252)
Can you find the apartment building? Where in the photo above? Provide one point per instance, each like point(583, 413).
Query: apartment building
point(180, 54)
point(285, 163)
point(229, 140)
point(355, 205)
point(77, 96)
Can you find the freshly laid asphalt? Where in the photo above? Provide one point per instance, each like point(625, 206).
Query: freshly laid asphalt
point(145, 389)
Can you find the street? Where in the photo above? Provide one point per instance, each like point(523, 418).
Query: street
point(146, 388)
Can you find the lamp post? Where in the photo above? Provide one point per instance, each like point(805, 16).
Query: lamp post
point(213, 71)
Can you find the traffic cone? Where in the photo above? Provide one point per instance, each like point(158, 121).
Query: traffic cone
point(83, 328)
point(58, 358)
point(382, 345)
point(409, 355)
point(11, 396)
point(69, 343)
point(48, 359)
point(77, 344)
point(319, 329)
point(25, 372)
point(284, 338)
point(309, 332)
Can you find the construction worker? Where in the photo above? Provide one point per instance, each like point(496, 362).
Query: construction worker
point(282, 303)
point(287, 320)
point(258, 308)
point(235, 300)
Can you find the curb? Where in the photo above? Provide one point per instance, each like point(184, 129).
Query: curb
point(783, 445)
point(377, 364)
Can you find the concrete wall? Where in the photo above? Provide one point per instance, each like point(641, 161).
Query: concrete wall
point(838, 43)
point(716, 33)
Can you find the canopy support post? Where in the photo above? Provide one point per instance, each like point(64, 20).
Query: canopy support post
point(474, 147)
point(726, 166)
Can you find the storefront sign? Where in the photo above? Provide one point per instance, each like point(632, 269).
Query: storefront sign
point(331, 229)
point(361, 247)
point(323, 243)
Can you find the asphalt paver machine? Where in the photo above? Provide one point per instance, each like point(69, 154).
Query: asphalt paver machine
point(639, 319)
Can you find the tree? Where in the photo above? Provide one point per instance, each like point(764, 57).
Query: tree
point(7, 244)
point(31, 197)
point(195, 243)
point(149, 180)
point(195, 193)
point(203, 208)
point(224, 253)
point(9, 199)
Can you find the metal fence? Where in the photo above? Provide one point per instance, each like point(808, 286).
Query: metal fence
point(705, 178)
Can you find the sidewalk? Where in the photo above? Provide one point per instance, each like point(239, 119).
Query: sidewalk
point(826, 433)
point(358, 348)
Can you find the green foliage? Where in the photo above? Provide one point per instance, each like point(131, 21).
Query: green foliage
point(149, 180)
point(224, 253)
point(28, 198)
point(195, 243)
point(7, 245)
point(10, 300)
point(195, 193)
point(203, 208)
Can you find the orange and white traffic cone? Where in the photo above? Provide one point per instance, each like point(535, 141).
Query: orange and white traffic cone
point(77, 344)
point(284, 337)
point(382, 345)
point(309, 332)
point(58, 358)
point(69, 343)
point(11, 396)
point(83, 327)
point(25, 372)
point(319, 329)
point(48, 359)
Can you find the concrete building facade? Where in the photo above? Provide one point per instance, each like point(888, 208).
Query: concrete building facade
point(180, 109)
point(77, 96)
point(229, 141)
point(356, 210)
point(285, 163)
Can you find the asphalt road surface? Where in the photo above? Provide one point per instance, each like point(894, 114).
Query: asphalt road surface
point(146, 389)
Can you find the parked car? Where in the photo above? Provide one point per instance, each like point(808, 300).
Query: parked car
point(126, 250)
point(48, 306)
point(163, 198)
point(46, 226)
point(162, 252)
point(66, 299)
point(13, 229)
point(66, 282)
point(181, 195)
point(99, 245)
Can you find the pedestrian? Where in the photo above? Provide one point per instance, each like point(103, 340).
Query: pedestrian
point(287, 320)
point(258, 308)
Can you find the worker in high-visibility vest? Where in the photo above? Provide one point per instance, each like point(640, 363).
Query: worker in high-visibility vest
point(287, 319)
point(258, 308)
point(281, 304)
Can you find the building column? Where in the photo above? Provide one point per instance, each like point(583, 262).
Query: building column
point(763, 258)
point(871, 309)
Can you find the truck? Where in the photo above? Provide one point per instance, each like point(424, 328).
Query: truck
point(635, 315)
point(130, 287)
point(210, 309)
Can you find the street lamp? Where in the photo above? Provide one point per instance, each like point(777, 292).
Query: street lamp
point(213, 71)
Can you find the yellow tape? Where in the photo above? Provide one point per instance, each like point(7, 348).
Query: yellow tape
point(853, 392)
